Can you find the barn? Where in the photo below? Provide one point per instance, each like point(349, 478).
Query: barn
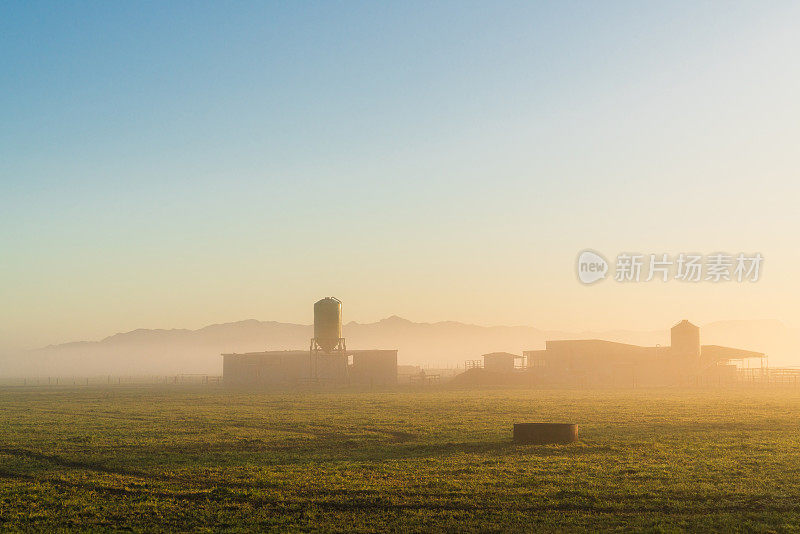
point(288, 369)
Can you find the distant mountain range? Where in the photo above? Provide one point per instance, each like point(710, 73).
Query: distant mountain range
point(141, 352)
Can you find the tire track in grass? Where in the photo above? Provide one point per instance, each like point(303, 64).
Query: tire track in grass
point(382, 504)
point(88, 466)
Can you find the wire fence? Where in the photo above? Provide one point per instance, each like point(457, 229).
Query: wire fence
point(773, 376)
point(786, 377)
point(111, 380)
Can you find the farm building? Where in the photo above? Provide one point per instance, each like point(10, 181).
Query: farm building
point(500, 362)
point(290, 368)
point(596, 362)
point(599, 362)
point(327, 362)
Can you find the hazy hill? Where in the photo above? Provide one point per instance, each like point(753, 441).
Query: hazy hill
point(444, 343)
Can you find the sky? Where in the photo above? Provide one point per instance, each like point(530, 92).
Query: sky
point(173, 165)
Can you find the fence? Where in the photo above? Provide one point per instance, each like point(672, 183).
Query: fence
point(774, 376)
point(150, 380)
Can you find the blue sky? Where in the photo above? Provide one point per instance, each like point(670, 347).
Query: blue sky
point(176, 164)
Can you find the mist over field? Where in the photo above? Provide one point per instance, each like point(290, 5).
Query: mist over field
point(145, 352)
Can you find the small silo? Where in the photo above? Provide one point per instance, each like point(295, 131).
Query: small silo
point(685, 339)
point(328, 324)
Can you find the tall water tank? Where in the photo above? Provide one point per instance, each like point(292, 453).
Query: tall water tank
point(328, 323)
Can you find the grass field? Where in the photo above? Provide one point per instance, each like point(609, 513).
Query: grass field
point(205, 459)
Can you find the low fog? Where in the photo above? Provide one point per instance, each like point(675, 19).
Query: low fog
point(443, 344)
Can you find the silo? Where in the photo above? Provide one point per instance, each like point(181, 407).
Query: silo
point(685, 339)
point(328, 323)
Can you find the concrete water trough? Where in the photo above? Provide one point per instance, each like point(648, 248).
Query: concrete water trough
point(543, 433)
